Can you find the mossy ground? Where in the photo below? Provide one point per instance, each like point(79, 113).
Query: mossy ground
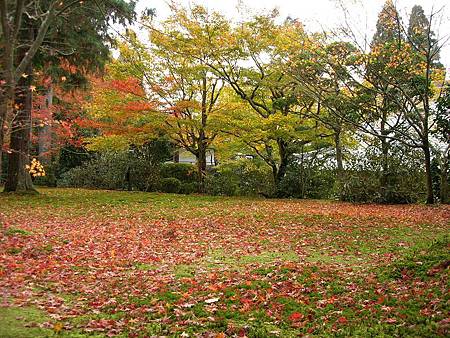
point(81, 263)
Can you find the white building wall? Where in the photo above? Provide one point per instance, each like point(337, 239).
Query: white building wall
point(187, 157)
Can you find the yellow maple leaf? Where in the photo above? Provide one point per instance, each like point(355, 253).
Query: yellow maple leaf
point(57, 327)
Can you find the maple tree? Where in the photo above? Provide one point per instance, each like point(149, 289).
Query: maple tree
point(268, 88)
point(22, 36)
point(179, 80)
point(250, 59)
point(176, 81)
point(326, 78)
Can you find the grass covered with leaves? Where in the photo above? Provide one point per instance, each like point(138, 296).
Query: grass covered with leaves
point(81, 263)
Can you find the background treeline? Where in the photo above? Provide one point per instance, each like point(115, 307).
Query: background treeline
point(143, 169)
point(288, 113)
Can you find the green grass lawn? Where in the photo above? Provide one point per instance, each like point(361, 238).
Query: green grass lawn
point(84, 263)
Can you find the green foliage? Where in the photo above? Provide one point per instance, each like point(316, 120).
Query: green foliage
point(184, 172)
point(105, 171)
point(309, 176)
point(240, 178)
point(137, 168)
point(360, 186)
point(388, 26)
point(314, 183)
point(82, 37)
point(404, 180)
point(188, 188)
point(222, 183)
point(443, 115)
point(170, 185)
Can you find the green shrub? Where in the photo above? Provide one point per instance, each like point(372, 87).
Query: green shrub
point(240, 178)
point(360, 186)
point(184, 172)
point(145, 164)
point(189, 188)
point(106, 171)
point(139, 168)
point(171, 185)
point(311, 182)
point(223, 183)
point(404, 179)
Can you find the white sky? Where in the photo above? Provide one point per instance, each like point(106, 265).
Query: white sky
point(319, 14)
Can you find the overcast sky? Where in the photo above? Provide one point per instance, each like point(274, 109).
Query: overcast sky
point(317, 14)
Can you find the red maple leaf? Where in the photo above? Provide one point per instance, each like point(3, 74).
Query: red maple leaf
point(296, 316)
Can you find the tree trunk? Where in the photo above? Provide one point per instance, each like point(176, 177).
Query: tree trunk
point(45, 132)
point(339, 161)
point(201, 166)
point(128, 179)
point(280, 171)
point(275, 174)
point(302, 175)
point(284, 160)
point(19, 179)
point(444, 176)
point(3, 112)
point(384, 158)
point(202, 142)
point(429, 178)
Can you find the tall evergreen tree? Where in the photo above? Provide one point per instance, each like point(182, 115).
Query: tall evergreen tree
point(388, 25)
point(418, 34)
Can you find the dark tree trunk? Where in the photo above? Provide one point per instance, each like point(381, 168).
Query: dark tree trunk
point(279, 171)
point(275, 174)
point(384, 169)
point(128, 179)
point(425, 138)
point(201, 165)
point(19, 179)
point(202, 140)
point(444, 176)
point(384, 159)
point(302, 175)
point(3, 112)
point(428, 173)
point(284, 160)
point(339, 161)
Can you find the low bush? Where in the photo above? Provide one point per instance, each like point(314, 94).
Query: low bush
point(243, 177)
point(300, 182)
point(184, 172)
point(189, 188)
point(106, 171)
point(138, 168)
point(170, 185)
point(404, 181)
